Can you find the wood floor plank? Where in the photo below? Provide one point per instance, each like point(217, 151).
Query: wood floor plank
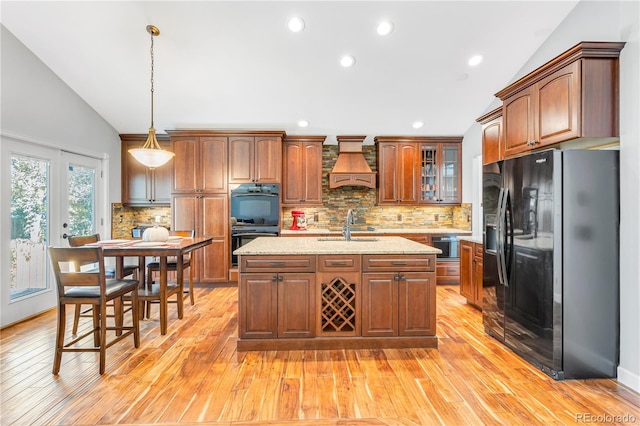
point(194, 374)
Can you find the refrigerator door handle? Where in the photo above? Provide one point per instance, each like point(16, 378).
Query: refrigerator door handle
point(509, 242)
point(502, 220)
point(500, 237)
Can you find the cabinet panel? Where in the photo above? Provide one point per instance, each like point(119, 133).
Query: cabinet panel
point(466, 270)
point(492, 136)
point(241, 159)
point(255, 159)
point(478, 279)
point(398, 171)
point(518, 122)
point(302, 172)
point(213, 164)
point(258, 298)
point(379, 304)
point(214, 223)
point(185, 167)
point(558, 108)
point(296, 305)
point(207, 215)
point(416, 304)
point(268, 160)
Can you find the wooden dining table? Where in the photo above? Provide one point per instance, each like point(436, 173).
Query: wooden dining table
point(177, 247)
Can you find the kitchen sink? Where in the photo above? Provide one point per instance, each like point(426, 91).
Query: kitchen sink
point(354, 239)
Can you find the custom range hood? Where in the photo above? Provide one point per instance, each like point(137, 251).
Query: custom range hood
point(351, 168)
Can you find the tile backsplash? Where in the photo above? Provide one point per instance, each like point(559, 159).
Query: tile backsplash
point(124, 218)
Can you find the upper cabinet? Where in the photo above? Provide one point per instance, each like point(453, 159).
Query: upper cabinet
point(200, 164)
point(142, 186)
point(419, 170)
point(492, 136)
point(574, 96)
point(397, 171)
point(255, 158)
point(440, 171)
point(302, 170)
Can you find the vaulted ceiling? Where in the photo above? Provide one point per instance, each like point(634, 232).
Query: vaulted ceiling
point(235, 64)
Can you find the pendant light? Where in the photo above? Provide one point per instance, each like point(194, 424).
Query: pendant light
point(150, 154)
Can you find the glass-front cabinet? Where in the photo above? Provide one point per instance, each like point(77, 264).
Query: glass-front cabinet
point(440, 178)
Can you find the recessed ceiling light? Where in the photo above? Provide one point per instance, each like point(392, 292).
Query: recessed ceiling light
point(303, 123)
point(347, 61)
point(417, 124)
point(475, 60)
point(385, 28)
point(296, 24)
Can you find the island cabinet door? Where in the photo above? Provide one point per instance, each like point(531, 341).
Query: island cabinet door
point(258, 298)
point(380, 304)
point(296, 305)
point(417, 304)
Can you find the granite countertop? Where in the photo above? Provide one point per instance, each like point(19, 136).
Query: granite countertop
point(316, 245)
point(471, 238)
point(323, 231)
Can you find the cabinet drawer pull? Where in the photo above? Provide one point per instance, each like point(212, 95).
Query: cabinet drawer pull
point(399, 262)
point(276, 263)
point(338, 263)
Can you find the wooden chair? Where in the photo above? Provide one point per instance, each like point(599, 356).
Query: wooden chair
point(110, 272)
point(81, 280)
point(172, 266)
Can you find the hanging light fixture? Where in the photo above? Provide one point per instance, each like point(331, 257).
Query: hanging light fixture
point(151, 155)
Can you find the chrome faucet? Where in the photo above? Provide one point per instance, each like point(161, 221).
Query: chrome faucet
point(346, 228)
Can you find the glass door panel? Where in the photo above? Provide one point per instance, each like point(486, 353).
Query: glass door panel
point(81, 200)
point(30, 196)
point(429, 173)
point(449, 174)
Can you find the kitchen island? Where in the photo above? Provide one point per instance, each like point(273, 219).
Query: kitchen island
point(328, 293)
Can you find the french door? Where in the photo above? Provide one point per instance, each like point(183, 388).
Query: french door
point(47, 194)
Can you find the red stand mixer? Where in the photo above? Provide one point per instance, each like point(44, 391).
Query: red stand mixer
point(299, 221)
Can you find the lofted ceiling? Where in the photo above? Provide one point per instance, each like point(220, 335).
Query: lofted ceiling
point(235, 64)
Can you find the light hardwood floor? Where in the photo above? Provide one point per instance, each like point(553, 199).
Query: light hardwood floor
point(194, 375)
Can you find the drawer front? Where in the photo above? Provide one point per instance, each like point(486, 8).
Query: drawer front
point(448, 269)
point(334, 262)
point(398, 262)
point(277, 264)
point(479, 249)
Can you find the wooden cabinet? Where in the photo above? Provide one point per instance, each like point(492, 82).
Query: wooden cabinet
point(200, 201)
point(492, 136)
point(471, 272)
point(277, 297)
point(573, 96)
point(255, 158)
point(207, 215)
point(200, 164)
point(302, 170)
point(398, 295)
point(419, 170)
point(441, 171)
point(142, 186)
point(398, 172)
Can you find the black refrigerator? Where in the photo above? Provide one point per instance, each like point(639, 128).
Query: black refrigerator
point(550, 267)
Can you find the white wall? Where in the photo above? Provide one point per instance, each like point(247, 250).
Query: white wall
point(603, 21)
point(36, 106)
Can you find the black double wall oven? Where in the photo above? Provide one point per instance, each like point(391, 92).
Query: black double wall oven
point(255, 212)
